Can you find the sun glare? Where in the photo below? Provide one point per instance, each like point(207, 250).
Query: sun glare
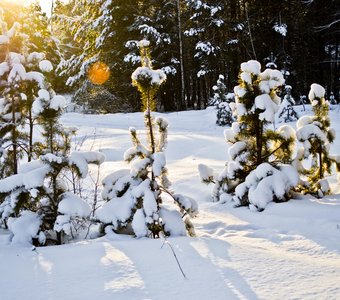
point(99, 73)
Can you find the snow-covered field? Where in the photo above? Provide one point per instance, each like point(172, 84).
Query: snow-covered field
point(289, 251)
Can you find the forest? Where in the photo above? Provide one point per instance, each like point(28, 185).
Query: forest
point(179, 149)
point(193, 42)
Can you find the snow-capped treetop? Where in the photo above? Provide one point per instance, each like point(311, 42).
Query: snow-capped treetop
point(47, 101)
point(143, 43)
point(148, 77)
point(251, 66)
point(274, 77)
point(316, 91)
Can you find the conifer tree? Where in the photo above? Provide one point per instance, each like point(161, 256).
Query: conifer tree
point(13, 74)
point(36, 191)
point(41, 192)
point(22, 78)
point(286, 110)
point(222, 101)
point(137, 198)
point(316, 135)
point(257, 154)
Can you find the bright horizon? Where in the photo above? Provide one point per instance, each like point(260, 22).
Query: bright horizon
point(45, 4)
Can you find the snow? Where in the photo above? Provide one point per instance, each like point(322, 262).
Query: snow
point(264, 182)
point(24, 228)
point(73, 206)
point(246, 77)
point(45, 66)
point(44, 94)
point(35, 57)
point(310, 130)
point(138, 223)
point(269, 107)
point(290, 250)
point(17, 73)
point(37, 77)
point(143, 43)
point(62, 223)
point(4, 68)
point(155, 77)
point(4, 39)
point(82, 159)
point(251, 67)
point(117, 209)
point(206, 173)
point(172, 222)
point(58, 102)
point(281, 29)
point(316, 91)
point(32, 176)
point(158, 163)
point(287, 132)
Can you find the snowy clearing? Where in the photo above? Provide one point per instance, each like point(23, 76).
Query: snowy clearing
point(289, 251)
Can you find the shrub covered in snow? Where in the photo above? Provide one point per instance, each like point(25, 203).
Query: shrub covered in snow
point(316, 135)
point(257, 154)
point(41, 189)
point(139, 199)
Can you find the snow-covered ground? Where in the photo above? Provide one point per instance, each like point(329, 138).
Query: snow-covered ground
point(289, 251)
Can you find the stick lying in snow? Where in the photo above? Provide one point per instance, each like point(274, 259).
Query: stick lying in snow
point(173, 252)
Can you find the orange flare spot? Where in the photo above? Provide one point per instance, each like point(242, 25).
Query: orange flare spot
point(99, 73)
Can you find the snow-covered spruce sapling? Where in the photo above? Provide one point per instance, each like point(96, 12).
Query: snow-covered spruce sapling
point(139, 200)
point(222, 100)
point(257, 172)
point(41, 189)
point(42, 186)
point(12, 75)
point(286, 111)
point(316, 135)
point(21, 79)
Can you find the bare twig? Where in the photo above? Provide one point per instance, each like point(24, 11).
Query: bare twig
point(174, 254)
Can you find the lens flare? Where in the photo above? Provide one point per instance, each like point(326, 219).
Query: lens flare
point(99, 73)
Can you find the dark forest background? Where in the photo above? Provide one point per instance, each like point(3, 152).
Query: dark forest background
point(192, 40)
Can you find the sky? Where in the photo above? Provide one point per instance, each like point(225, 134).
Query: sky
point(45, 4)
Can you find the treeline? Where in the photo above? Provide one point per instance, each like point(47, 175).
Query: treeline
point(193, 42)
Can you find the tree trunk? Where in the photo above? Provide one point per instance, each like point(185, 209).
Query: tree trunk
point(179, 20)
point(30, 146)
point(258, 142)
point(14, 139)
point(320, 162)
point(51, 137)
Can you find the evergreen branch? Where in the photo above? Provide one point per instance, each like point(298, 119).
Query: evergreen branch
point(271, 153)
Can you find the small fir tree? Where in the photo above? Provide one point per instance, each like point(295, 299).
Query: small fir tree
point(256, 173)
point(316, 135)
point(138, 200)
point(41, 193)
point(222, 101)
point(286, 111)
point(21, 79)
